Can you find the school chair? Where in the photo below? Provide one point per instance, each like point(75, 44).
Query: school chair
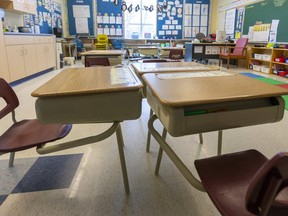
point(90, 61)
point(239, 51)
point(25, 134)
point(176, 54)
point(102, 42)
point(246, 183)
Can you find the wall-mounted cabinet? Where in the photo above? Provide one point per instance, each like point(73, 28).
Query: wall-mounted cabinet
point(269, 60)
point(23, 6)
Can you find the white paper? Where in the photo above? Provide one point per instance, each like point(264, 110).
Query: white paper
point(119, 32)
point(175, 32)
point(171, 27)
point(250, 33)
point(106, 31)
point(112, 31)
point(273, 37)
point(274, 25)
point(198, 49)
point(188, 9)
point(167, 22)
point(81, 10)
point(187, 20)
point(161, 32)
point(175, 22)
point(168, 32)
point(230, 21)
point(196, 21)
point(100, 31)
point(204, 9)
point(99, 19)
point(81, 25)
point(178, 27)
point(112, 20)
point(106, 19)
point(118, 20)
point(208, 50)
point(164, 27)
point(187, 32)
point(204, 20)
point(196, 9)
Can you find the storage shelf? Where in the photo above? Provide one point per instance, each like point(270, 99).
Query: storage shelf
point(260, 60)
point(280, 63)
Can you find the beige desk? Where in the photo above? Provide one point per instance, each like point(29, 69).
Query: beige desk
point(211, 103)
point(114, 56)
point(90, 95)
point(167, 67)
point(148, 50)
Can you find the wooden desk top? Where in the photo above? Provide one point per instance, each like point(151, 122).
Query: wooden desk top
point(169, 67)
point(202, 90)
point(89, 80)
point(102, 52)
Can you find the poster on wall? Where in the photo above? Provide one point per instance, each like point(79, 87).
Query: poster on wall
point(196, 15)
point(230, 19)
point(169, 19)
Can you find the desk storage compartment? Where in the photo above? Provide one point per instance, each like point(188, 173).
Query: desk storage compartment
point(195, 119)
point(93, 108)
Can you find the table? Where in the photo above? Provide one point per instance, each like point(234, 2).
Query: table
point(165, 51)
point(90, 95)
point(203, 103)
point(114, 56)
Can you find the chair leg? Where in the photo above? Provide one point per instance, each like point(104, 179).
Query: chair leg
point(164, 135)
point(220, 61)
point(201, 138)
point(11, 159)
point(228, 63)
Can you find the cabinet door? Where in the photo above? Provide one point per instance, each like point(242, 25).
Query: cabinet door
point(29, 59)
point(4, 72)
point(41, 57)
point(51, 55)
point(15, 55)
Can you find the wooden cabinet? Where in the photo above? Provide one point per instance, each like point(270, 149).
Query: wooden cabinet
point(4, 72)
point(28, 55)
point(46, 52)
point(262, 59)
point(24, 6)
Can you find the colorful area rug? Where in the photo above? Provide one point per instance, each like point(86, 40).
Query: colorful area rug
point(270, 81)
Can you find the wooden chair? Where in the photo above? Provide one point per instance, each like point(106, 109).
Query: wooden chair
point(246, 183)
point(25, 134)
point(237, 52)
point(176, 54)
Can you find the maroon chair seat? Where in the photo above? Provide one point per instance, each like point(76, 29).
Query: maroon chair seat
point(237, 52)
point(176, 54)
point(25, 134)
point(246, 183)
point(90, 61)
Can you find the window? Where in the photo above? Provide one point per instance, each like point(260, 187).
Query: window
point(141, 21)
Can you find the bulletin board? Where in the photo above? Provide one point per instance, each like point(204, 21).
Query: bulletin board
point(239, 22)
point(49, 15)
point(170, 19)
point(80, 16)
point(109, 18)
point(196, 17)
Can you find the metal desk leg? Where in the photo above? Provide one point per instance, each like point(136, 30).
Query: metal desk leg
point(160, 152)
point(149, 134)
point(175, 159)
point(122, 158)
point(220, 136)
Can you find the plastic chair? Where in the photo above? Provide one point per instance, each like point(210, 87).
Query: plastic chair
point(239, 52)
point(25, 134)
point(90, 62)
point(176, 54)
point(246, 183)
point(102, 42)
point(79, 46)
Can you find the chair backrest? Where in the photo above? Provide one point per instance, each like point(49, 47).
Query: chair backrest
point(89, 62)
point(79, 44)
point(11, 99)
point(176, 54)
point(102, 38)
point(240, 46)
point(268, 182)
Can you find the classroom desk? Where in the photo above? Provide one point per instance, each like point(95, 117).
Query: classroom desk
point(200, 104)
point(165, 51)
point(90, 95)
point(148, 50)
point(114, 56)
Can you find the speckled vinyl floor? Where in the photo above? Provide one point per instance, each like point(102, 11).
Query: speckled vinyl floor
point(87, 180)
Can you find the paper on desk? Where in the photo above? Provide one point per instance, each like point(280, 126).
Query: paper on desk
point(193, 74)
point(121, 75)
point(194, 68)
